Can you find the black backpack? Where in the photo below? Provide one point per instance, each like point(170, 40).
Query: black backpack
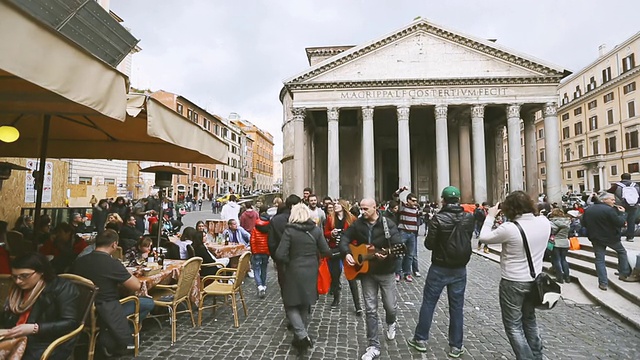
point(457, 249)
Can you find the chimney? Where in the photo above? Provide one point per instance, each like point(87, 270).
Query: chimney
point(602, 49)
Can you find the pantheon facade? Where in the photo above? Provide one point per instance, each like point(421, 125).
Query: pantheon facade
point(423, 107)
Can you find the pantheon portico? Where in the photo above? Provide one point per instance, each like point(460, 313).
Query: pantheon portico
point(423, 107)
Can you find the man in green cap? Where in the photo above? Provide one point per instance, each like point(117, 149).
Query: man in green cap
point(449, 239)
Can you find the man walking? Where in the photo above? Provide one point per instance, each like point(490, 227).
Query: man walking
point(379, 233)
point(317, 214)
point(603, 222)
point(627, 194)
point(408, 214)
point(231, 209)
point(449, 239)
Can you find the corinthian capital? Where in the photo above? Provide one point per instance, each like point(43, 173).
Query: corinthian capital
point(550, 109)
point(441, 111)
point(333, 114)
point(513, 111)
point(403, 113)
point(298, 113)
point(477, 111)
point(367, 113)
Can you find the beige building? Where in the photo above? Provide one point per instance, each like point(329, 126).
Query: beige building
point(599, 121)
point(262, 164)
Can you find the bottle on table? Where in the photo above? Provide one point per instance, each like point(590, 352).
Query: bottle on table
point(161, 258)
point(226, 239)
point(152, 256)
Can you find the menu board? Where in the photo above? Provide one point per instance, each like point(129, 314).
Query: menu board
point(30, 182)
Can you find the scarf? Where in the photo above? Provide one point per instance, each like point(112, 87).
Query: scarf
point(17, 304)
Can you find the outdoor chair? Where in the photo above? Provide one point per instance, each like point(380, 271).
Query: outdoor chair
point(221, 285)
point(170, 296)
point(191, 252)
point(85, 303)
point(5, 285)
point(18, 246)
point(92, 328)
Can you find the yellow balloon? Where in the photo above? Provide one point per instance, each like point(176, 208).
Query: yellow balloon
point(9, 134)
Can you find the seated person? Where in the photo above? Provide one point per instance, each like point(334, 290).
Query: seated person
point(24, 225)
point(108, 273)
point(63, 247)
point(236, 234)
point(41, 306)
point(185, 240)
point(129, 234)
point(140, 251)
point(114, 218)
point(78, 224)
point(207, 257)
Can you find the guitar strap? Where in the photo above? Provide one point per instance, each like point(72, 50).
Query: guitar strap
point(387, 234)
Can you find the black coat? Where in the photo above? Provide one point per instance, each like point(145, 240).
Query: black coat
point(299, 250)
point(55, 312)
point(603, 223)
point(277, 226)
point(441, 226)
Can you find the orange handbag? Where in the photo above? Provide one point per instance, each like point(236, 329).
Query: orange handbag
point(324, 277)
point(574, 243)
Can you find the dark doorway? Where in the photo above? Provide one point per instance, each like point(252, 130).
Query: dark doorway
point(389, 173)
point(596, 183)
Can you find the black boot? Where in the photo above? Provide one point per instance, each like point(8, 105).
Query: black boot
point(336, 298)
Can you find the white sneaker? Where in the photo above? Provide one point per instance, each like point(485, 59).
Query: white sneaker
point(391, 331)
point(372, 353)
point(250, 274)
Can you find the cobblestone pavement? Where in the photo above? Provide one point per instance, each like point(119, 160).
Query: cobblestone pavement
point(569, 331)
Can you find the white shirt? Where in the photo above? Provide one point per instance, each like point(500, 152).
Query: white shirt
point(513, 259)
point(230, 211)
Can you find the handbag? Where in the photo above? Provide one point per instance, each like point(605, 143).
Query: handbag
point(545, 292)
point(574, 243)
point(551, 243)
point(324, 277)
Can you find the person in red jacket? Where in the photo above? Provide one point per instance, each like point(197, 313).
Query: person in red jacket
point(248, 218)
point(338, 221)
point(63, 246)
point(260, 251)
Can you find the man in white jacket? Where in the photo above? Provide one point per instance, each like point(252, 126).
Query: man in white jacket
point(231, 209)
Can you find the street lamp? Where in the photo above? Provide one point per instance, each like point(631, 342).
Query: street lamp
point(164, 175)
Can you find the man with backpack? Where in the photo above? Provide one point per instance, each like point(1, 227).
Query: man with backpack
point(449, 239)
point(627, 195)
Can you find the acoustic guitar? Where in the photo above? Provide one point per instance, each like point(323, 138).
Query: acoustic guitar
point(363, 253)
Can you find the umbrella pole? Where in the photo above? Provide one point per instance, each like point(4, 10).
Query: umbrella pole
point(160, 218)
point(41, 169)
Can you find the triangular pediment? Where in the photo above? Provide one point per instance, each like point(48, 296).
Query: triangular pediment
point(423, 50)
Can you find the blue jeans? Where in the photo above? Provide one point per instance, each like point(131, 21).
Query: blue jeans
point(146, 305)
point(259, 264)
point(456, 281)
point(519, 319)
point(624, 269)
point(409, 260)
point(370, 285)
point(560, 263)
point(631, 212)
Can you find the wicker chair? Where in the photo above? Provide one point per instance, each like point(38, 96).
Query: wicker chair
point(220, 285)
point(170, 296)
point(92, 328)
point(18, 246)
point(87, 295)
point(5, 285)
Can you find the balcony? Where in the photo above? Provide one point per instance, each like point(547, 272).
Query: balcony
point(588, 160)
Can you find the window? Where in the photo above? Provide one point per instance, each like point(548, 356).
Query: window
point(614, 169)
point(542, 157)
point(179, 108)
point(577, 127)
point(593, 123)
point(610, 144)
point(592, 84)
point(233, 137)
point(580, 174)
point(207, 125)
point(565, 116)
point(109, 181)
point(195, 117)
point(541, 133)
point(631, 139)
point(577, 93)
point(577, 111)
point(631, 109)
point(633, 168)
point(610, 117)
point(595, 145)
point(565, 99)
point(567, 154)
point(629, 87)
point(606, 74)
point(193, 171)
point(543, 171)
point(608, 97)
point(628, 63)
point(565, 132)
point(592, 104)
point(189, 114)
point(568, 174)
point(580, 151)
point(84, 180)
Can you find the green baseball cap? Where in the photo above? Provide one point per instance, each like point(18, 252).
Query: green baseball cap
point(450, 192)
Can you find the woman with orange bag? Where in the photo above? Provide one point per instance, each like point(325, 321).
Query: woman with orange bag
point(560, 224)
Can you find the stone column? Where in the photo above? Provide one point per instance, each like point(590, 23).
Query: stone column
point(552, 149)
point(368, 155)
point(479, 159)
point(515, 150)
point(453, 136)
point(499, 152)
point(442, 148)
point(464, 143)
point(333, 153)
point(531, 156)
point(586, 179)
point(404, 148)
point(299, 150)
point(601, 177)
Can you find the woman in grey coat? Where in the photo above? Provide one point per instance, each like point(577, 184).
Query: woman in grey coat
point(301, 246)
point(560, 225)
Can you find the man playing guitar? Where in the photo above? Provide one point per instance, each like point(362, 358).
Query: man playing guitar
point(382, 234)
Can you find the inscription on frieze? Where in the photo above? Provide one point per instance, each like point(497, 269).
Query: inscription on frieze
point(438, 93)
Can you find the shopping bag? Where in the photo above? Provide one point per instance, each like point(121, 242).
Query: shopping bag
point(324, 277)
point(574, 243)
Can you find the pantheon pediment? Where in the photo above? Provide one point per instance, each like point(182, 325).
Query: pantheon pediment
point(423, 50)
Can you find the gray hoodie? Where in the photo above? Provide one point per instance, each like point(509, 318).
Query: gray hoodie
point(560, 229)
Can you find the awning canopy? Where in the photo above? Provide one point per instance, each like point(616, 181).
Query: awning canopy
point(151, 132)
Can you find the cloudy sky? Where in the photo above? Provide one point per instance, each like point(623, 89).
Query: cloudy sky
point(233, 55)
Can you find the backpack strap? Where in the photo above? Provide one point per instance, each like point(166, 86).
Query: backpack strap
point(532, 272)
point(622, 185)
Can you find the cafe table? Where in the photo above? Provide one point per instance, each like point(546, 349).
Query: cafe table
point(230, 251)
point(170, 271)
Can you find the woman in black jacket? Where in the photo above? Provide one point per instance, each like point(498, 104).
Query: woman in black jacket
point(301, 246)
point(201, 250)
point(41, 306)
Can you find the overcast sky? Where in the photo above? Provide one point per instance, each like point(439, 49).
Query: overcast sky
point(233, 55)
